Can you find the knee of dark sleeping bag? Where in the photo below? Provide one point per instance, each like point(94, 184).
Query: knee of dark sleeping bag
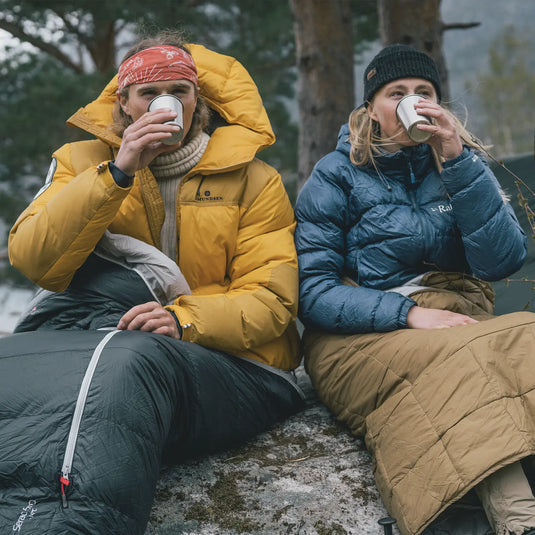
point(149, 395)
point(224, 401)
point(123, 424)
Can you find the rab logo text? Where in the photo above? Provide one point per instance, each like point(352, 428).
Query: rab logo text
point(443, 208)
point(26, 513)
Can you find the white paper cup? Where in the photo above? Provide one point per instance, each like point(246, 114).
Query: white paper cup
point(173, 103)
point(410, 119)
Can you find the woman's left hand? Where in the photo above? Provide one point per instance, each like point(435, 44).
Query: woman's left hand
point(150, 317)
point(445, 138)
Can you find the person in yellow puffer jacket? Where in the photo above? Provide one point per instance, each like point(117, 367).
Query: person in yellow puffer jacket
point(205, 201)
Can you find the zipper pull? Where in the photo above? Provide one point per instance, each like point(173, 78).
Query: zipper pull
point(413, 178)
point(64, 483)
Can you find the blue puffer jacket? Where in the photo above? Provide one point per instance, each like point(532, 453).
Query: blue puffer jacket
point(384, 230)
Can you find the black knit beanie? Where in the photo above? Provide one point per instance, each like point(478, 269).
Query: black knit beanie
point(399, 61)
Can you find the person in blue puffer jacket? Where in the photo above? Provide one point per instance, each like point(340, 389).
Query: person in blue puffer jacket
point(397, 239)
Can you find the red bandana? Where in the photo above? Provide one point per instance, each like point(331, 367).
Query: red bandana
point(156, 64)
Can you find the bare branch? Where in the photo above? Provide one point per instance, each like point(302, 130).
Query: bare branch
point(16, 31)
point(460, 25)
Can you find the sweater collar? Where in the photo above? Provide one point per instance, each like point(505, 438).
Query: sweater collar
point(180, 161)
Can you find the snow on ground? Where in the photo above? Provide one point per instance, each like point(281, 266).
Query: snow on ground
point(13, 302)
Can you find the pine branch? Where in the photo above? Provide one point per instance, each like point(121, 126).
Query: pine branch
point(70, 27)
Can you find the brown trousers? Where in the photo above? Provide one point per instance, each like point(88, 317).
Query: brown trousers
point(508, 501)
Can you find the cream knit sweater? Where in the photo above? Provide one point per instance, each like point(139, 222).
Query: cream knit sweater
point(169, 169)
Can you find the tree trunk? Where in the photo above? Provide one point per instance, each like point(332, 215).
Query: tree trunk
point(102, 48)
point(325, 87)
point(418, 24)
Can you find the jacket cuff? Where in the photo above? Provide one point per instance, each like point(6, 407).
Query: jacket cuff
point(180, 330)
point(121, 178)
point(450, 163)
point(407, 305)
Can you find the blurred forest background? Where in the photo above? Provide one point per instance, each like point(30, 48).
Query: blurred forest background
point(306, 56)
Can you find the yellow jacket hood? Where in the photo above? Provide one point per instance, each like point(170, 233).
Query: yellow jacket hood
point(227, 88)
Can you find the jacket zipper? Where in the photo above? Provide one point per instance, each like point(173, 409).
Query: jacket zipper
point(410, 189)
point(77, 417)
point(424, 224)
point(198, 192)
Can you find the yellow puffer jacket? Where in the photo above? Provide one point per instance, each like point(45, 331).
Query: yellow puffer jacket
point(234, 220)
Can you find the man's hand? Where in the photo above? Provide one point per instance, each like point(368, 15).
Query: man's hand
point(433, 318)
point(150, 317)
point(142, 140)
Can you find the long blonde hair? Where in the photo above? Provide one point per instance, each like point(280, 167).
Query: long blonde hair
point(366, 141)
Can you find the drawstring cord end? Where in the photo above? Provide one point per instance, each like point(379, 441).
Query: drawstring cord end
point(64, 483)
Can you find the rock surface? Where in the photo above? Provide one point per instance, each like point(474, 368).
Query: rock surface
point(306, 476)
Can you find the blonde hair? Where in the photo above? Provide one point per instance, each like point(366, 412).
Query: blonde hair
point(201, 115)
point(366, 141)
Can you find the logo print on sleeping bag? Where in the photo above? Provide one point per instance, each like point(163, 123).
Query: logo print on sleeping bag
point(27, 512)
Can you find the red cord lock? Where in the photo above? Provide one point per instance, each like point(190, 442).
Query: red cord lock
point(64, 483)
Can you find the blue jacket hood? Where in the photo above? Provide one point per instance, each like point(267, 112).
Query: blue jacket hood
point(343, 144)
point(395, 164)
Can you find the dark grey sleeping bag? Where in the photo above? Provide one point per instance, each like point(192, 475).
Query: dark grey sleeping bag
point(85, 413)
point(118, 446)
